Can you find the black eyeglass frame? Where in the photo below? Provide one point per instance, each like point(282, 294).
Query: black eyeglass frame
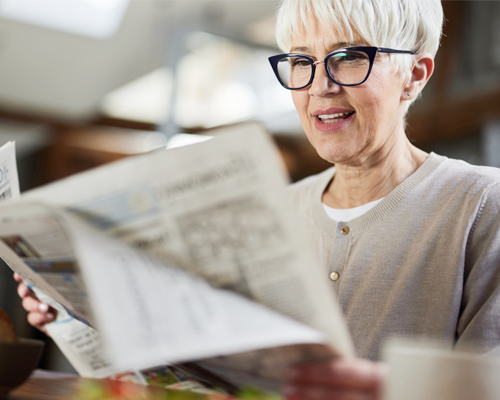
point(370, 51)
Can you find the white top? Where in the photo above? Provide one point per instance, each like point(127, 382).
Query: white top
point(346, 214)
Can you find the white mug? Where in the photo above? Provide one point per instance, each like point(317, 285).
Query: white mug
point(427, 373)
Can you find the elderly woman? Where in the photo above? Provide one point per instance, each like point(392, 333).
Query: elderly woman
point(408, 240)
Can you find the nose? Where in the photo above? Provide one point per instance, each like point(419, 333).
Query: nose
point(322, 85)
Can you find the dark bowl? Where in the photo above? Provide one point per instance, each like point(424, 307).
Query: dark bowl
point(17, 361)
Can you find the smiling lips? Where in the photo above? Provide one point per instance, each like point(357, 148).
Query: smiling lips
point(332, 118)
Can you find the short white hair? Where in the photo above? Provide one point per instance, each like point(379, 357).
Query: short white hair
point(400, 24)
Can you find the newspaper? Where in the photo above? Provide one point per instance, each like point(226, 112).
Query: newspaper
point(177, 255)
point(79, 342)
point(9, 181)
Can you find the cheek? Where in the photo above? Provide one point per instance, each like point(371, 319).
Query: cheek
point(300, 100)
point(379, 101)
point(387, 88)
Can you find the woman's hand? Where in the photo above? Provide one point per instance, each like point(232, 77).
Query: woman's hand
point(39, 314)
point(336, 379)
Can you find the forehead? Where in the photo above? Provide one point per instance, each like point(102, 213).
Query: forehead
point(317, 37)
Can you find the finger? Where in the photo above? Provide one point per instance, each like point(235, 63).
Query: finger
point(32, 304)
point(24, 291)
point(343, 373)
point(306, 392)
point(17, 277)
point(39, 320)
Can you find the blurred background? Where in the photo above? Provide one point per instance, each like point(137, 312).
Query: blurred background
point(86, 82)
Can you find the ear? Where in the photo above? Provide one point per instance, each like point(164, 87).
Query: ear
point(420, 73)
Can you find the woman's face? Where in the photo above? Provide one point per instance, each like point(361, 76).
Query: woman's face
point(371, 114)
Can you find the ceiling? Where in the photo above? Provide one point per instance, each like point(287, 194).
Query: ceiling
point(63, 75)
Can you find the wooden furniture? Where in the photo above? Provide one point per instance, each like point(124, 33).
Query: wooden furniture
point(449, 111)
point(46, 389)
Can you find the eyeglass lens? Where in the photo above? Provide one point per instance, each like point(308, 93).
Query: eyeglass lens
point(346, 67)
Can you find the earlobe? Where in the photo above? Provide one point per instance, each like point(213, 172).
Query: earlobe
point(420, 74)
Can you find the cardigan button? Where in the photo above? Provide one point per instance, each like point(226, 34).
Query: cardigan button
point(334, 276)
point(344, 230)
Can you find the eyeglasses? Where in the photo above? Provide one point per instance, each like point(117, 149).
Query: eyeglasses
point(345, 67)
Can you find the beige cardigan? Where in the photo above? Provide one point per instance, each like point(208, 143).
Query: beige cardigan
point(425, 261)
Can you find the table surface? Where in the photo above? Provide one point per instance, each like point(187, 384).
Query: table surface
point(46, 389)
point(48, 385)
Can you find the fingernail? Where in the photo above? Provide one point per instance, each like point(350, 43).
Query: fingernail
point(49, 315)
point(43, 308)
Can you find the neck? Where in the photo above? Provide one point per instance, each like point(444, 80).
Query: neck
point(374, 177)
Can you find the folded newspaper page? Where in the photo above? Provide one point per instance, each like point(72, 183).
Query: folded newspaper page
point(9, 181)
point(218, 210)
point(79, 342)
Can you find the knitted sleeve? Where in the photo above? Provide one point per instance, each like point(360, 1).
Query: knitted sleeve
point(479, 322)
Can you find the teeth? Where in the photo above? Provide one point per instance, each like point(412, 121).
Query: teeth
point(332, 116)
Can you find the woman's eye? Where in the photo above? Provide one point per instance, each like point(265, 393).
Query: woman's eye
point(300, 62)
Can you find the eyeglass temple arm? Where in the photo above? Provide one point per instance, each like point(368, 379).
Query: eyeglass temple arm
point(386, 50)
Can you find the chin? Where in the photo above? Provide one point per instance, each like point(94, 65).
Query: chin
point(335, 153)
point(332, 156)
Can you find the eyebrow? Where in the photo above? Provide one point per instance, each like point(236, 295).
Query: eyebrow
point(336, 46)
